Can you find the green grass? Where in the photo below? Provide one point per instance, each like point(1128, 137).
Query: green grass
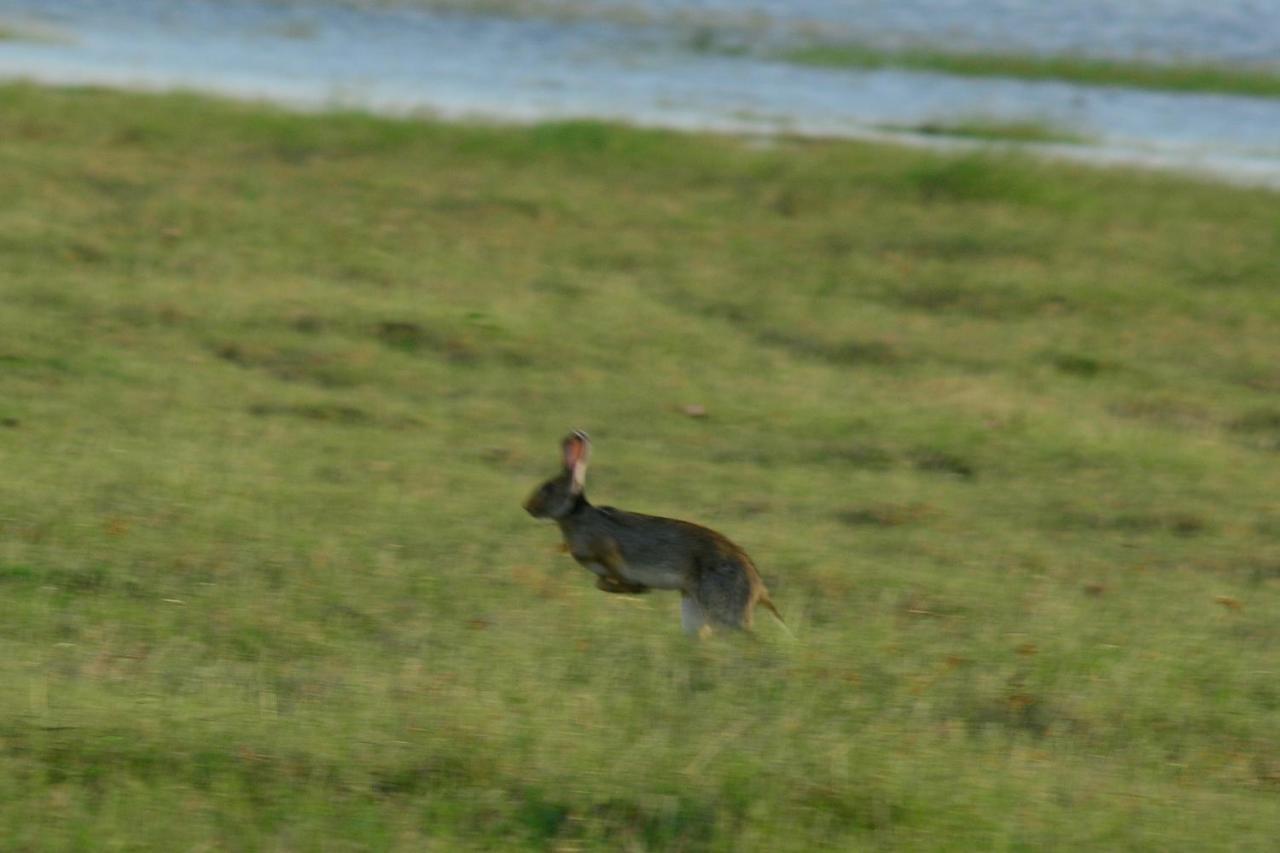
point(1001, 435)
point(1261, 81)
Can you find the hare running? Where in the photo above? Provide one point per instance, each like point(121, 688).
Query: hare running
point(633, 553)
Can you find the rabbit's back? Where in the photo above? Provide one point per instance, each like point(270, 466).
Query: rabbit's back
point(667, 553)
point(657, 552)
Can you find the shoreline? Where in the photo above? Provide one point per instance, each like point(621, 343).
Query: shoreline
point(408, 60)
point(1242, 171)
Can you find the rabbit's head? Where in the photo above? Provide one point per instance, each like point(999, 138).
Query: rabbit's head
point(557, 497)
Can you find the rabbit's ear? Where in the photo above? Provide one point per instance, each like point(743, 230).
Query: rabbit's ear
point(577, 450)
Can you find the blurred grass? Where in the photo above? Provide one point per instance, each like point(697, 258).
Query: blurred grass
point(1189, 76)
point(1002, 436)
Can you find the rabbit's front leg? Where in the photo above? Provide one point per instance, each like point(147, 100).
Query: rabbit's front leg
point(606, 563)
point(609, 583)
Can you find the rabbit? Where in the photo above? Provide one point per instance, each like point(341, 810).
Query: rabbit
point(632, 553)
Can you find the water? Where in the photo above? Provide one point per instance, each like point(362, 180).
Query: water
point(641, 62)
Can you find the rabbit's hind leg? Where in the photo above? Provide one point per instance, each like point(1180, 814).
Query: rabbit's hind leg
point(724, 591)
point(693, 619)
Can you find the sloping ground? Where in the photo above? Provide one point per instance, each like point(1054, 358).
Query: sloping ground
point(1003, 437)
point(1257, 81)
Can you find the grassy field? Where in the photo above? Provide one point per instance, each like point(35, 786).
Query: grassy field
point(1003, 437)
point(1260, 81)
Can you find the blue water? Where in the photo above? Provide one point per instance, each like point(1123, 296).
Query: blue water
point(646, 62)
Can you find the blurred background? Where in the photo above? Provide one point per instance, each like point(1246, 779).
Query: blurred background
point(960, 317)
point(1153, 82)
